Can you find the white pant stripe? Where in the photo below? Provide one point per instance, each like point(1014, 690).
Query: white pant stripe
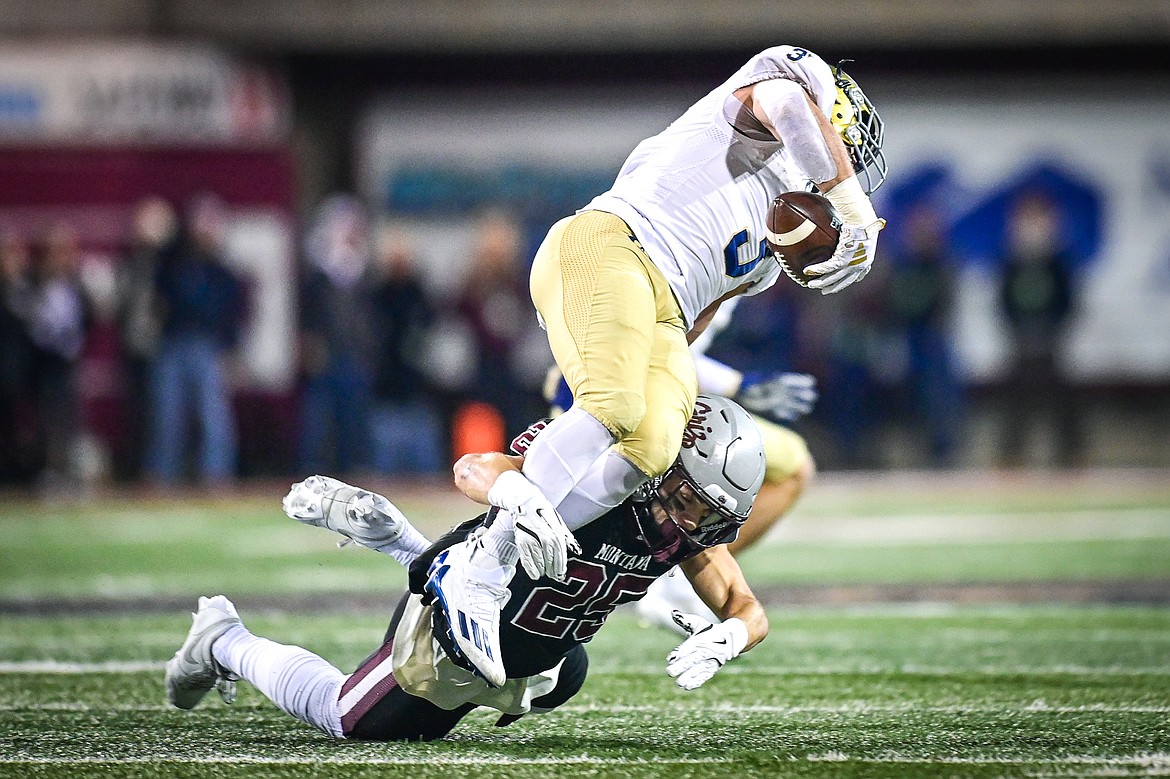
point(359, 690)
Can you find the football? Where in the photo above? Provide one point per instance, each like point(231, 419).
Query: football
point(802, 229)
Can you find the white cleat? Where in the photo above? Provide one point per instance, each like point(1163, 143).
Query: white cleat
point(360, 515)
point(471, 587)
point(667, 593)
point(193, 671)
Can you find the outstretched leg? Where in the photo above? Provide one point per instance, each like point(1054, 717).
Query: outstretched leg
point(360, 515)
point(299, 682)
point(219, 650)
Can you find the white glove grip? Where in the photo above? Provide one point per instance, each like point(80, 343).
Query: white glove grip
point(511, 490)
point(852, 203)
point(738, 633)
point(710, 646)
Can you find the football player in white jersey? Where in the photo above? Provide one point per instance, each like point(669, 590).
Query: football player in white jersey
point(622, 286)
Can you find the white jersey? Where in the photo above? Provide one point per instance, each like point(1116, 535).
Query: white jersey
point(696, 195)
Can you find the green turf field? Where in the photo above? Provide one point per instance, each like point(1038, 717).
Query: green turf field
point(93, 601)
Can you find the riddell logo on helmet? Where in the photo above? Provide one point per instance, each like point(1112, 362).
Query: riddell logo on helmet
point(697, 428)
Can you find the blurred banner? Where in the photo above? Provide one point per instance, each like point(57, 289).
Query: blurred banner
point(1103, 155)
point(136, 92)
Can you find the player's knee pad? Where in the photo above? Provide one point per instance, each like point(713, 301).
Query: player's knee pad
point(651, 453)
point(620, 411)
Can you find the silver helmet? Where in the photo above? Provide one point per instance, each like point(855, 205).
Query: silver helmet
point(707, 494)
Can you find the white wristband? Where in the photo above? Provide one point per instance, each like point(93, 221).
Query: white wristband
point(852, 203)
point(738, 632)
point(510, 490)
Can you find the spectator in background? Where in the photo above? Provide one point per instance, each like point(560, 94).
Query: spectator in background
point(15, 360)
point(337, 339)
point(406, 430)
point(920, 301)
point(496, 306)
point(1036, 295)
point(57, 319)
point(201, 306)
point(153, 229)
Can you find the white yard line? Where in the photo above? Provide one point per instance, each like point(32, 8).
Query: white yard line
point(1157, 761)
point(1037, 707)
point(865, 708)
point(53, 667)
point(1145, 761)
point(67, 668)
point(339, 760)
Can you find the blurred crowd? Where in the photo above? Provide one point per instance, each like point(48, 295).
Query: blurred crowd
point(396, 376)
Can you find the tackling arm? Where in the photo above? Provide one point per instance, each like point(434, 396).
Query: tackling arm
point(720, 583)
point(718, 580)
point(541, 537)
point(476, 473)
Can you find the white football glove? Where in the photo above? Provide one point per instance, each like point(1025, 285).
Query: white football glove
point(852, 260)
point(360, 515)
point(786, 396)
point(543, 539)
point(696, 660)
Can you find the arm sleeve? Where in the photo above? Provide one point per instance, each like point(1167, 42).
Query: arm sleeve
point(786, 105)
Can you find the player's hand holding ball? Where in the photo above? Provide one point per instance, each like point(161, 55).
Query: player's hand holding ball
point(803, 231)
point(850, 262)
point(858, 245)
point(824, 242)
point(710, 646)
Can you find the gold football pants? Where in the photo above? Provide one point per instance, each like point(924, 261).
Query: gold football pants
point(617, 334)
point(785, 452)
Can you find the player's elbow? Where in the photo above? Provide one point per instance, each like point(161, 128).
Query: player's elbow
point(757, 625)
point(475, 473)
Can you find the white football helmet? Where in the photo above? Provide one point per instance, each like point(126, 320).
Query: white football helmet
point(706, 495)
point(861, 129)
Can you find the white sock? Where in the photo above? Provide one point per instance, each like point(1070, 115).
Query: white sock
point(564, 451)
point(407, 548)
point(610, 480)
point(409, 544)
point(296, 680)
